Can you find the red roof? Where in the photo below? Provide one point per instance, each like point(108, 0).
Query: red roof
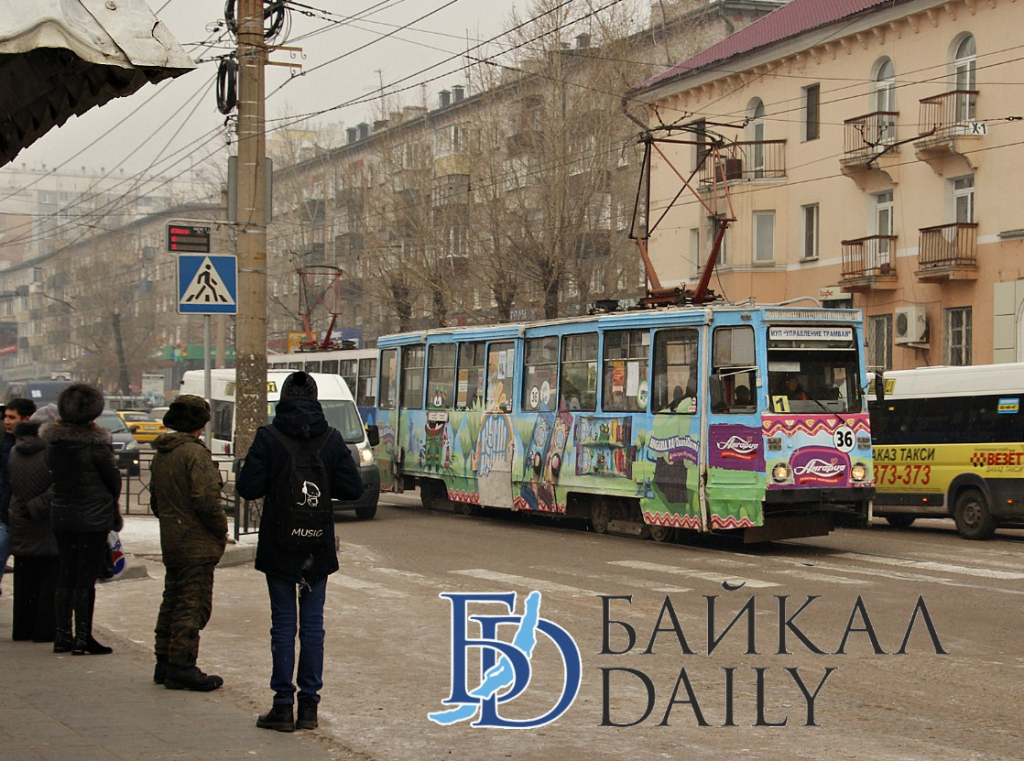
point(791, 20)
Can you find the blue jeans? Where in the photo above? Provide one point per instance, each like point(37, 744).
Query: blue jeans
point(310, 623)
point(5, 549)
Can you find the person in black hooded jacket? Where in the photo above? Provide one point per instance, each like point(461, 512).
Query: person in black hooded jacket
point(83, 510)
point(299, 416)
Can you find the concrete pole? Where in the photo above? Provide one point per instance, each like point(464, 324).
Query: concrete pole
point(251, 338)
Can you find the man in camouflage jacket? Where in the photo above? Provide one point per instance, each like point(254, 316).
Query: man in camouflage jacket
point(186, 497)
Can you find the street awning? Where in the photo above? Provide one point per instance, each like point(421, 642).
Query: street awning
point(59, 58)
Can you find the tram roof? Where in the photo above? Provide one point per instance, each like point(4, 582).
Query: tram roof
point(686, 315)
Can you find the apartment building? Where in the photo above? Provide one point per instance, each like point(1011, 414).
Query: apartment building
point(869, 150)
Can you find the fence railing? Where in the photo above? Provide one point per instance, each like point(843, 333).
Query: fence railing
point(952, 245)
point(869, 134)
point(871, 256)
point(951, 113)
point(746, 160)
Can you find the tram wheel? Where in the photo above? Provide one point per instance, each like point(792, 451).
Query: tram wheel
point(972, 515)
point(662, 533)
point(600, 514)
point(900, 521)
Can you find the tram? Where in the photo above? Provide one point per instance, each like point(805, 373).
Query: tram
point(743, 420)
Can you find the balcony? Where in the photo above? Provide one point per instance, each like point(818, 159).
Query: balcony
point(948, 252)
point(868, 264)
point(944, 122)
point(867, 138)
point(744, 161)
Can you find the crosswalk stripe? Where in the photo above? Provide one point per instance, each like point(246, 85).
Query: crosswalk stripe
point(930, 565)
point(544, 585)
point(640, 565)
point(361, 585)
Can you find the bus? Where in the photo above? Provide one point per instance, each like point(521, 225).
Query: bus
point(339, 409)
point(949, 443)
point(357, 366)
point(645, 423)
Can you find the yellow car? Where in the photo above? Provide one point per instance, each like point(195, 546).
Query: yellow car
point(143, 427)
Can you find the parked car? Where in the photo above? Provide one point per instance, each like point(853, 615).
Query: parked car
point(142, 425)
point(126, 448)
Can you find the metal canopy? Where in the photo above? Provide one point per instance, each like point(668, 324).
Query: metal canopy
point(59, 58)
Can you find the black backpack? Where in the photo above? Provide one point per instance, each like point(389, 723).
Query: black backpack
point(302, 498)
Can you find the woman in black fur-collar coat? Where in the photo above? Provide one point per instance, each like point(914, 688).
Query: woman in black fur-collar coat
point(83, 510)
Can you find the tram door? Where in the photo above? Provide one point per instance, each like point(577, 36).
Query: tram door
point(734, 483)
point(495, 444)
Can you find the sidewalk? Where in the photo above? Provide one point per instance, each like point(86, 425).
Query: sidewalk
point(107, 707)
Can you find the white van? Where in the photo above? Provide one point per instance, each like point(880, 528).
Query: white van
point(339, 408)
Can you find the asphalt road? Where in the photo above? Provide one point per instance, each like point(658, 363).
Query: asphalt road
point(662, 675)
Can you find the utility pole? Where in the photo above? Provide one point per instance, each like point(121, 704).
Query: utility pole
point(251, 246)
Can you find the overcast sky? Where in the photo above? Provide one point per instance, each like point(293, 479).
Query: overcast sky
point(170, 125)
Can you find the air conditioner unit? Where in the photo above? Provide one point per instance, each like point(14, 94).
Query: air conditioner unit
point(911, 325)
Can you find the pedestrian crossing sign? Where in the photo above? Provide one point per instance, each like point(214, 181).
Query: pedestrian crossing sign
point(207, 284)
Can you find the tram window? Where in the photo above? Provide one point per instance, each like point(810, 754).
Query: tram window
point(388, 379)
point(312, 367)
point(330, 366)
point(626, 355)
point(366, 395)
point(347, 369)
point(470, 391)
point(675, 370)
point(578, 390)
point(733, 380)
point(294, 365)
point(412, 377)
point(441, 376)
point(501, 373)
point(541, 373)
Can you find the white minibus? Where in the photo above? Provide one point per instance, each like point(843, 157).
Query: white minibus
point(339, 408)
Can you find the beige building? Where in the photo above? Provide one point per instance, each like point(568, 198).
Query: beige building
point(871, 153)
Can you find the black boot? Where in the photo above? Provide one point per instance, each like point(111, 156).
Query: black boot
point(190, 678)
point(280, 717)
point(160, 672)
point(62, 610)
point(307, 715)
point(84, 644)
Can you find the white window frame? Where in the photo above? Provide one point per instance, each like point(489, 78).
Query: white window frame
point(962, 195)
point(810, 227)
point(763, 237)
point(880, 331)
point(957, 336)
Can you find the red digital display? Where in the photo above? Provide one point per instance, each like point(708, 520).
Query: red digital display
point(188, 239)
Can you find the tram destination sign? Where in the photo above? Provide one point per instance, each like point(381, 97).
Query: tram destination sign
point(186, 238)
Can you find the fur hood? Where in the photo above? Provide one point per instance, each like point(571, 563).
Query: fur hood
point(85, 435)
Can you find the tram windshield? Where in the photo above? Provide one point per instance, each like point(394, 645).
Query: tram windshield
point(814, 369)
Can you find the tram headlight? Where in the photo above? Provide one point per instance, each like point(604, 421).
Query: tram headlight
point(858, 472)
point(781, 473)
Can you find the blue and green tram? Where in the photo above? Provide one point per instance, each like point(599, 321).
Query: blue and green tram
point(744, 420)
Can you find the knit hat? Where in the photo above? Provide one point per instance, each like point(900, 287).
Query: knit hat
point(45, 414)
point(187, 413)
point(80, 403)
point(298, 384)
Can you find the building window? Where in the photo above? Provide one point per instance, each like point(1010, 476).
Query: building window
point(880, 341)
point(882, 223)
point(810, 227)
point(764, 237)
point(958, 336)
point(755, 134)
point(812, 112)
point(965, 64)
point(963, 198)
point(884, 96)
